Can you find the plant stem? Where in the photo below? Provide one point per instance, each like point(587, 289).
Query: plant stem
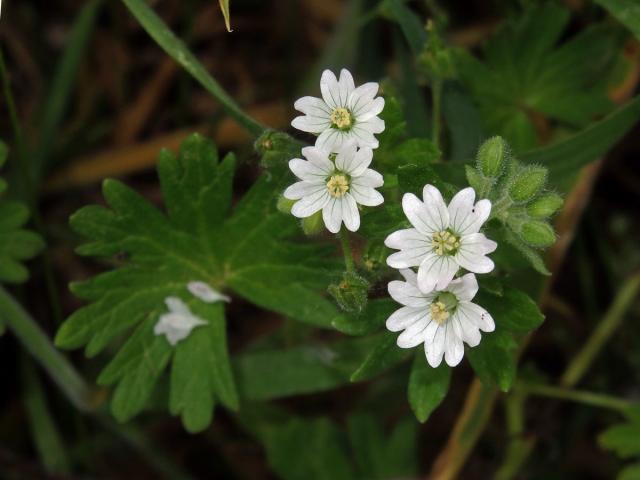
point(346, 250)
point(579, 396)
point(436, 94)
point(177, 50)
point(607, 326)
point(40, 347)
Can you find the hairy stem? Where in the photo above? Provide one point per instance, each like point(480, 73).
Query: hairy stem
point(346, 250)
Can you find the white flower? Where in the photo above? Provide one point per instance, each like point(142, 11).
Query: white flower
point(205, 293)
point(343, 113)
point(441, 319)
point(444, 238)
point(178, 323)
point(335, 188)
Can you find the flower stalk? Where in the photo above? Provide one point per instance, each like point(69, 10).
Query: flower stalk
point(346, 250)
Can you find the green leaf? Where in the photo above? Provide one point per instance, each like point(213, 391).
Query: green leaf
point(16, 243)
point(383, 356)
point(493, 360)
point(531, 255)
point(427, 386)
point(224, 7)
point(513, 311)
point(622, 439)
point(565, 158)
point(412, 27)
point(371, 319)
point(626, 11)
point(197, 240)
point(311, 449)
point(526, 74)
point(177, 50)
point(632, 472)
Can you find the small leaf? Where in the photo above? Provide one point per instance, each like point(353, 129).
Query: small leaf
point(383, 356)
point(493, 360)
point(631, 472)
point(427, 386)
point(513, 311)
point(622, 439)
point(626, 11)
point(224, 6)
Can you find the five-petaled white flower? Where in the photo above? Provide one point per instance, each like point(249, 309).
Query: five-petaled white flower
point(178, 322)
point(335, 187)
point(343, 113)
point(441, 319)
point(443, 238)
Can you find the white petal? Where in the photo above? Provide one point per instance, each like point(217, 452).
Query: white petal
point(405, 317)
point(472, 260)
point(409, 257)
point(435, 348)
point(345, 155)
point(302, 189)
point(427, 220)
point(406, 239)
point(478, 243)
point(435, 204)
point(176, 326)
point(350, 214)
point(466, 329)
point(409, 276)
point(318, 158)
point(362, 96)
point(460, 210)
point(305, 170)
point(353, 161)
point(310, 124)
point(436, 272)
point(313, 106)
point(346, 86)
point(310, 204)
point(464, 288)
point(332, 215)
point(453, 348)
point(361, 134)
point(407, 294)
point(370, 110)
point(366, 196)
point(477, 316)
point(205, 293)
point(414, 334)
point(330, 89)
point(331, 140)
point(481, 211)
point(176, 305)
point(370, 178)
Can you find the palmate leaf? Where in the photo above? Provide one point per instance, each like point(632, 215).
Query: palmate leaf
point(526, 74)
point(16, 243)
point(196, 240)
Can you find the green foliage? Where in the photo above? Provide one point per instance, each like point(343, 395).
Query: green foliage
point(427, 386)
point(224, 7)
point(626, 11)
point(196, 241)
point(384, 355)
point(351, 293)
point(622, 439)
point(526, 75)
point(16, 243)
point(493, 360)
point(316, 449)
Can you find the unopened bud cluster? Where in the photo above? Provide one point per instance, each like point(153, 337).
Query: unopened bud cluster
point(518, 192)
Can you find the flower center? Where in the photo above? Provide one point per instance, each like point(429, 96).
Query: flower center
point(443, 306)
point(338, 185)
point(445, 243)
point(341, 118)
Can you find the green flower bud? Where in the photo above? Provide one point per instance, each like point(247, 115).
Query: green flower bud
point(276, 148)
point(313, 225)
point(493, 156)
point(479, 183)
point(351, 293)
point(284, 205)
point(528, 182)
point(545, 205)
point(538, 233)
